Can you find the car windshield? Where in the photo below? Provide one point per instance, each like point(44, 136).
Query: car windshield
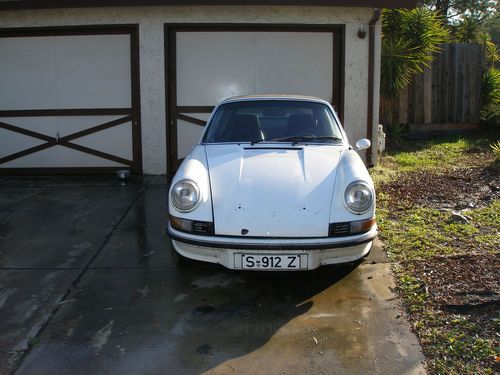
point(259, 121)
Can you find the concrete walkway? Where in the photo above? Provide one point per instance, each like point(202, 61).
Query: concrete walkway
point(89, 285)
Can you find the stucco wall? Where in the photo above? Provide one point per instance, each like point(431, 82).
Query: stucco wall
point(151, 21)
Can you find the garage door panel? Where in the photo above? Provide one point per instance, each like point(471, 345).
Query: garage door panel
point(27, 73)
point(47, 158)
point(60, 157)
point(14, 142)
point(212, 66)
point(73, 124)
point(71, 94)
point(73, 158)
point(63, 72)
point(221, 62)
point(116, 141)
point(42, 125)
point(62, 125)
point(187, 136)
point(102, 64)
point(295, 63)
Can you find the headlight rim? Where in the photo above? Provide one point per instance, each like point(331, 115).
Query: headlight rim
point(372, 197)
point(173, 200)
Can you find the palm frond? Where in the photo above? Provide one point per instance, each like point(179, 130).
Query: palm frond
point(410, 39)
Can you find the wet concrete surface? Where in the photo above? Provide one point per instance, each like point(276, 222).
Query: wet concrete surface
point(124, 304)
point(27, 300)
point(48, 239)
point(139, 241)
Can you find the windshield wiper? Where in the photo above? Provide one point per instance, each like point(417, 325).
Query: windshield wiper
point(275, 139)
point(298, 138)
point(316, 139)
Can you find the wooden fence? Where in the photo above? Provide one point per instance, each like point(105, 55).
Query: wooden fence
point(447, 92)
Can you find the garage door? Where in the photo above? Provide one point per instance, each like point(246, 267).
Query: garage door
point(208, 65)
point(68, 100)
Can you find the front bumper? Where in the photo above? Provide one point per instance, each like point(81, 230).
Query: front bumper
point(319, 251)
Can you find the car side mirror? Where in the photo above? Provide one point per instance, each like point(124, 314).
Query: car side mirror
point(363, 144)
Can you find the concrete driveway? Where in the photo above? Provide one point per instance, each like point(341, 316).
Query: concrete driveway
point(90, 285)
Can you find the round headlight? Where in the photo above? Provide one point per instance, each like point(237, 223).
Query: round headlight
point(358, 197)
point(185, 195)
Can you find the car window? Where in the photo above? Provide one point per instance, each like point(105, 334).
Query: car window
point(273, 120)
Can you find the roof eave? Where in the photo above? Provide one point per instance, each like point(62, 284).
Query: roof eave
point(54, 4)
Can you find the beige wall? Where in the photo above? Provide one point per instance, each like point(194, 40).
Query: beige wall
point(151, 21)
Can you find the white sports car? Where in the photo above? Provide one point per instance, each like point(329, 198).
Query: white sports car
point(273, 185)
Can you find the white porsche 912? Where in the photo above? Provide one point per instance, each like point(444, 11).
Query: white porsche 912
point(273, 185)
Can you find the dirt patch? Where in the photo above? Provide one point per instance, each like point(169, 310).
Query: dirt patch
point(461, 282)
point(458, 188)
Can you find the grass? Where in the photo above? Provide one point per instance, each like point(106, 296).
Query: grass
point(431, 156)
point(423, 232)
point(413, 235)
point(435, 155)
point(452, 343)
point(414, 291)
point(487, 217)
point(458, 349)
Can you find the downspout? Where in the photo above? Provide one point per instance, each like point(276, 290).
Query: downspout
point(371, 79)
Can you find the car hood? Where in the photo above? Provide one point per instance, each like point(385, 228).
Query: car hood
point(266, 191)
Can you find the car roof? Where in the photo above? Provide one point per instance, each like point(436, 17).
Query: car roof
point(274, 97)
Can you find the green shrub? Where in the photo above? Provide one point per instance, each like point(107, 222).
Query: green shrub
point(397, 135)
point(490, 96)
point(496, 150)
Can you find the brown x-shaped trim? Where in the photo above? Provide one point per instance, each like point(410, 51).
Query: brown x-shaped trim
point(191, 120)
point(65, 141)
point(193, 109)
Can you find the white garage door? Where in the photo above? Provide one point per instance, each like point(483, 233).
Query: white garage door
point(210, 66)
point(66, 101)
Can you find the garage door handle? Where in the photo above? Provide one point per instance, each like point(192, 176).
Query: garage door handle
point(57, 137)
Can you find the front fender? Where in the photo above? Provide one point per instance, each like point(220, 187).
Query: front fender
point(351, 168)
point(195, 168)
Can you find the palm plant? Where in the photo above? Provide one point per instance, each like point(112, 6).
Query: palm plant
point(492, 54)
point(469, 30)
point(410, 38)
point(490, 96)
point(495, 147)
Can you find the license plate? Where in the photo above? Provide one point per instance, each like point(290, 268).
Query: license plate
point(272, 261)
